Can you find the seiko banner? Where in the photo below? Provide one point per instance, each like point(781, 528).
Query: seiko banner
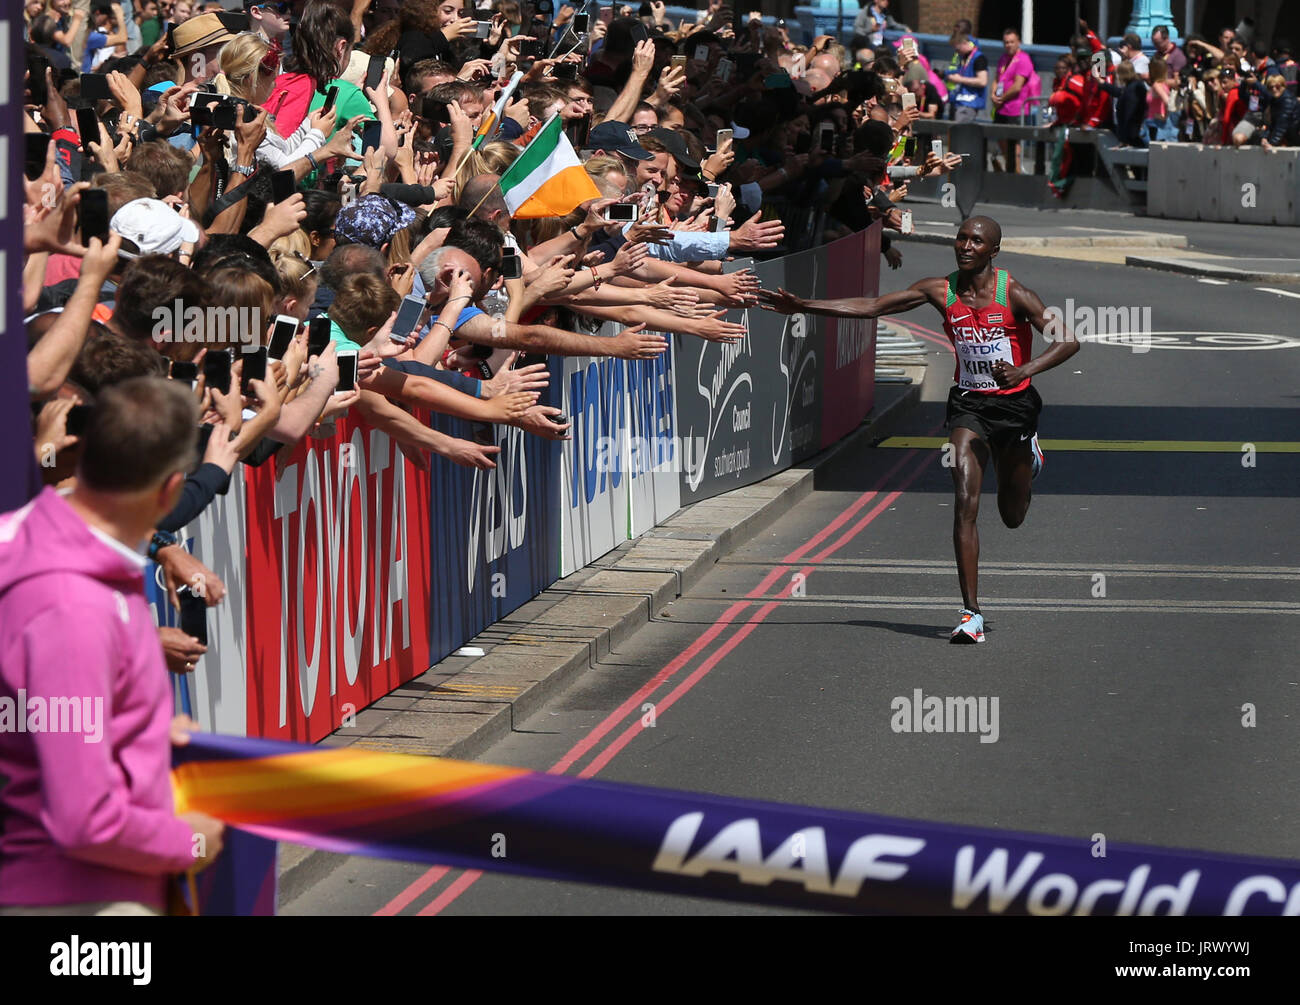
point(791, 387)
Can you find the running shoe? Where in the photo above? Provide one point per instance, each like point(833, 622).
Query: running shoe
point(969, 630)
point(1039, 457)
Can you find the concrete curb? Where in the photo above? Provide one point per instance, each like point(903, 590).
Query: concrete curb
point(1121, 239)
point(463, 705)
point(1193, 267)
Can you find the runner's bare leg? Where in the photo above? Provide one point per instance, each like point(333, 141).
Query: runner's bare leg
point(1014, 464)
point(970, 459)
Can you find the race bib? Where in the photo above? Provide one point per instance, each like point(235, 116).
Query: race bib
point(975, 363)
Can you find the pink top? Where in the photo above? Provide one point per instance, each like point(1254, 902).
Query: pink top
point(1156, 108)
point(1009, 68)
point(86, 812)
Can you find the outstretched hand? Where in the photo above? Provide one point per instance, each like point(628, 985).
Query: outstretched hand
point(781, 301)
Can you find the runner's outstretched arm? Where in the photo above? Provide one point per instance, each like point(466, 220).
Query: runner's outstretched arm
point(925, 291)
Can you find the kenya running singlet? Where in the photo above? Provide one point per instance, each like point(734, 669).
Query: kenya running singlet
point(982, 337)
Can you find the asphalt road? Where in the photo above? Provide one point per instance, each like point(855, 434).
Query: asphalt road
point(1119, 713)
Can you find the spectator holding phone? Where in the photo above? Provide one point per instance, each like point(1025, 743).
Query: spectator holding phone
point(87, 824)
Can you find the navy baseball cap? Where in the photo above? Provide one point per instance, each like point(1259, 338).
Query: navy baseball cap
point(617, 137)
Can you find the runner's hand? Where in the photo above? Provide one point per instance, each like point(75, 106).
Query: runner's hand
point(1008, 376)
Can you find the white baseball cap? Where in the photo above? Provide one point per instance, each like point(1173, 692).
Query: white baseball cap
point(151, 227)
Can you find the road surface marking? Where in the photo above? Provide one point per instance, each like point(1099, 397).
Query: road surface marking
point(1123, 446)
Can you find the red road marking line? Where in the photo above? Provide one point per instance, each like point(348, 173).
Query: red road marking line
point(395, 905)
point(466, 880)
point(754, 621)
point(586, 743)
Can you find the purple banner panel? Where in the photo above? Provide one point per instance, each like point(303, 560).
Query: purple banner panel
point(479, 816)
point(17, 459)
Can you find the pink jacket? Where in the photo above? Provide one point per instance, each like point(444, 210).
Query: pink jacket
point(86, 809)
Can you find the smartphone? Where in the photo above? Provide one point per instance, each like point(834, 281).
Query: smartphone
point(318, 335)
point(679, 62)
point(723, 134)
point(701, 54)
point(283, 184)
point(375, 71)
point(330, 97)
point(254, 368)
point(827, 138)
point(581, 23)
point(936, 148)
point(622, 212)
point(529, 49)
point(282, 332)
point(171, 36)
point(371, 136)
point(36, 85)
point(909, 147)
point(87, 127)
point(194, 612)
point(482, 29)
point(38, 145)
point(92, 214)
point(188, 372)
point(347, 372)
point(565, 71)
point(909, 100)
point(724, 70)
point(803, 143)
point(408, 316)
point(94, 87)
point(512, 266)
point(713, 190)
point(78, 417)
point(216, 369)
point(906, 227)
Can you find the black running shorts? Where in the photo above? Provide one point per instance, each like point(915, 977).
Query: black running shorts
point(995, 417)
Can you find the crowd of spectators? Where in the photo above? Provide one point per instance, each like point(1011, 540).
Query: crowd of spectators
point(1237, 93)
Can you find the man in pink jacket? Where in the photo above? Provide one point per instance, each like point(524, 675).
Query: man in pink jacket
point(87, 824)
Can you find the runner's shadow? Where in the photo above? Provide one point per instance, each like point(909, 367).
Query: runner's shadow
point(920, 631)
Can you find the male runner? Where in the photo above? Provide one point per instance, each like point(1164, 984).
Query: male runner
point(993, 409)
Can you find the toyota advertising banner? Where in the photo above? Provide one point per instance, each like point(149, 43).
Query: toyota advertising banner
point(339, 586)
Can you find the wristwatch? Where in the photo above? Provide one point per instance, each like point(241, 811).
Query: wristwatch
point(245, 170)
point(161, 539)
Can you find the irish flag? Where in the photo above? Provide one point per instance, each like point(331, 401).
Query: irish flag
point(547, 179)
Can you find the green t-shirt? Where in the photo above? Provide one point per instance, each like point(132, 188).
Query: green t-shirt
point(350, 103)
point(340, 340)
point(150, 29)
